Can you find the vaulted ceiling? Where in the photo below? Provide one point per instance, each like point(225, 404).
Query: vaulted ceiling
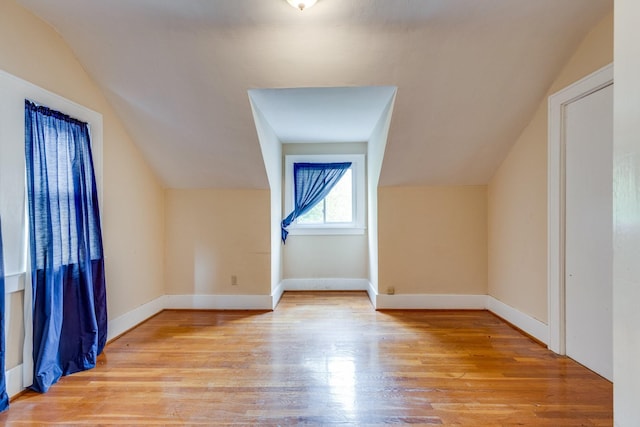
point(469, 75)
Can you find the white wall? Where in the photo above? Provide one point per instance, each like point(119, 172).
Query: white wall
point(626, 176)
point(376, 149)
point(314, 256)
point(271, 149)
point(311, 257)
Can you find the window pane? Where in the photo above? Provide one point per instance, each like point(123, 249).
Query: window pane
point(314, 216)
point(338, 205)
point(339, 201)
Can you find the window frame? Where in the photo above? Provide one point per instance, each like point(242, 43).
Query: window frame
point(357, 226)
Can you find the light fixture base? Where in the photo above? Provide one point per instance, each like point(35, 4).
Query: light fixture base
point(302, 4)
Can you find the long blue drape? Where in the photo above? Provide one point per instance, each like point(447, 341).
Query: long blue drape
point(4, 398)
point(67, 263)
point(312, 183)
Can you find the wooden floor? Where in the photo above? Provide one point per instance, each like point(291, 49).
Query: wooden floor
point(323, 359)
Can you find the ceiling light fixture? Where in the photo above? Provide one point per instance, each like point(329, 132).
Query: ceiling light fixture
point(302, 4)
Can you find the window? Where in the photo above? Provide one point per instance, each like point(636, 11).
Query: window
point(342, 210)
point(65, 246)
point(336, 208)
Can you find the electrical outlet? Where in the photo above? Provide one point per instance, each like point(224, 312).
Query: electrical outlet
point(234, 280)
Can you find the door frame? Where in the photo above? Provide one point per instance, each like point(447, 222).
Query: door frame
point(556, 165)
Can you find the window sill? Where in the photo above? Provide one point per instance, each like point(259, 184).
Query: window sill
point(325, 231)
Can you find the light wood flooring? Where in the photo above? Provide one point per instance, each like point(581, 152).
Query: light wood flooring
point(323, 359)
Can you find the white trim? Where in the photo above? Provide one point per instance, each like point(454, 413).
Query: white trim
point(219, 302)
point(14, 282)
point(131, 319)
point(523, 321)
point(308, 230)
point(27, 90)
point(27, 312)
point(276, 295)
point(430, 302)
point(325, 284)
point(358, 166)
point(14, 380)
point(555, 198)
point(373, 295)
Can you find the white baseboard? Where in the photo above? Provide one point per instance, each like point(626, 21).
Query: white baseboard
point(373, 294)
point(430, 302)
point(138, 315)
point(276, 295)
point(528, 324)
point(122, 324)
point(14, 282)
point(325, 284)
point(219, 302)
point(14, 381)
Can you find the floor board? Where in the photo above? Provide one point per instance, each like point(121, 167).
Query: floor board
point(324, 358)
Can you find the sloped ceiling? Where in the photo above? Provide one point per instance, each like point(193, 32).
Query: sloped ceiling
point(469, 75)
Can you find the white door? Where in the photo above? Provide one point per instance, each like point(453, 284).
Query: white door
point(588, 231)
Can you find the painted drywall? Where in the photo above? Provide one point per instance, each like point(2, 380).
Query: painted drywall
point(271, 149)
point(626, 246)
point(213, 235)
point(312, 256)
point(517, 194)
point(375, 155)
point(133, 197)
point(433, 240)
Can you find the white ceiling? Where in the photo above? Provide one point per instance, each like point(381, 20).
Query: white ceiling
point(323, 115)
point(469, 75)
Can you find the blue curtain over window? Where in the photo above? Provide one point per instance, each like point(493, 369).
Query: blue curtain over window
point(4, 398)
point(312, 182)
point(67, 263)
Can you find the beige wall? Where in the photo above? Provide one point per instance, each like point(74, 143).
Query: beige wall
point(213, 235)
point(133, 198)
point(626, 246)
point(433, 240)
point(517, 196)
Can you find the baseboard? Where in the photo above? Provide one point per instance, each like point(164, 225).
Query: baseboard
point(430, 302)
point(520, 320)
point(373, 295)
point(276, 295)
point(14, 381)
point(325, 284)
point(14, 282)
point(219, 302)
point(122, 324)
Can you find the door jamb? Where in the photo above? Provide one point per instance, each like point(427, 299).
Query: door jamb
point(556, 162)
